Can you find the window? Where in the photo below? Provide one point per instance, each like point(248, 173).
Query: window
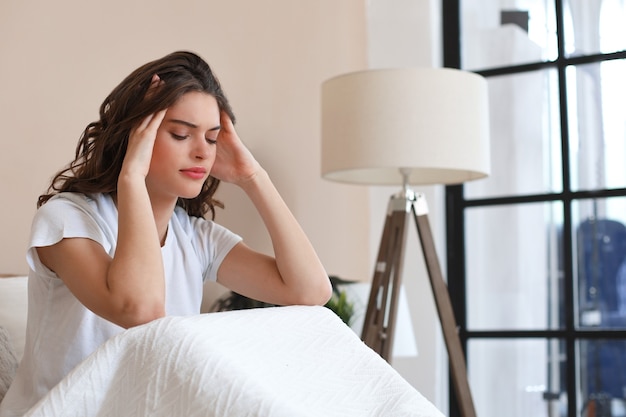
point(537, 251)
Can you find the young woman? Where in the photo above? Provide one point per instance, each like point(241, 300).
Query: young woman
point(120, 239)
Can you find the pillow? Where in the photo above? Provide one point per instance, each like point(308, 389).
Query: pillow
point(14, 309)
point(8, 362)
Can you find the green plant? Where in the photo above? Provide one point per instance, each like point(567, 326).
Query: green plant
point(340, 305)
point(338, 302)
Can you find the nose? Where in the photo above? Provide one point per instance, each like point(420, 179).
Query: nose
point(201, 149)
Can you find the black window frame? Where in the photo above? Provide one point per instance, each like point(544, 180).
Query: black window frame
point(456, 204)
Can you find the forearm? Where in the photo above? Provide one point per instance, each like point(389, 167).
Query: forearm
point(135, 278)
point(296, 260)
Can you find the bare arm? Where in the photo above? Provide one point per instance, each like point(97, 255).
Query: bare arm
point(128, 289)
point(295, 274)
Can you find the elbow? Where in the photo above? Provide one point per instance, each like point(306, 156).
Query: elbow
point(132, 315)
point(141, 319)
point(319, 295)
point(326, 293)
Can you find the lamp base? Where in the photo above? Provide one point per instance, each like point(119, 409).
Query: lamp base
point(380, 317)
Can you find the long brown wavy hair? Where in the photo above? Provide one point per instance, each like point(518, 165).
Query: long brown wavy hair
point(102, 145)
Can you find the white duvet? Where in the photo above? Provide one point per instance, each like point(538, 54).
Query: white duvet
point(278, 362)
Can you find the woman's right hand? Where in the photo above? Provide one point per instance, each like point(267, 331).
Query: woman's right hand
point(135, 278)
point(128, 288)
point(141, 140)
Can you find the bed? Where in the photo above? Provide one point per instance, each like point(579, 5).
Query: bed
point(282, 361)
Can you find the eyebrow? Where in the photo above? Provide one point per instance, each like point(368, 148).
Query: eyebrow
point(191, 125)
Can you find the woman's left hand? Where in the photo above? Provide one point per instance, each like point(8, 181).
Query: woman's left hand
point(295, 274)
point(234, 163)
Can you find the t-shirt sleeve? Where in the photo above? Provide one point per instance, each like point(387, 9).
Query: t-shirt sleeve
point(212, 243)
point(60, 218)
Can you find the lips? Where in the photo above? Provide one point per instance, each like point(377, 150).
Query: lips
point(195, 173)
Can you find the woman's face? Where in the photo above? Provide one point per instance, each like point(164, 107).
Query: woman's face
point(184, 149)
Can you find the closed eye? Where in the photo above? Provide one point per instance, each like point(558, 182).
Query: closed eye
point(211, 141)
point(179, 137)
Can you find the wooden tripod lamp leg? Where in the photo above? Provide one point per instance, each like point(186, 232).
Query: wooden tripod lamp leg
point(380, 316)
point(379, 324)
point(446, 314)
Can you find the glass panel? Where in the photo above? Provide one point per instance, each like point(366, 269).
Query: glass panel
point(517, 377)
point(600, 251)
point(498, 33)
point(597, 125)
point(597, 26)
point(525, 137)
point(602, 377)
point(514, 264)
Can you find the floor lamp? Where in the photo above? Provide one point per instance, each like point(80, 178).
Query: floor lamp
point(407, 127)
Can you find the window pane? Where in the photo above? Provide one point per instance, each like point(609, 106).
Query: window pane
point(600, 251)
point(517, 377)
point(597, 123)
point(525, 137)
point(602, 377)
point(496, 34)
point(592, 27)
point(514, 263)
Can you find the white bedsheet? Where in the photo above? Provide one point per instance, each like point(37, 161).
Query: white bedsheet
point(278, 362)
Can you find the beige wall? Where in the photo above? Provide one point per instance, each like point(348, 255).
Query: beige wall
point(60, 59)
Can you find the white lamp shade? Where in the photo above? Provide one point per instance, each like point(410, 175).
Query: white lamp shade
point(434, 122)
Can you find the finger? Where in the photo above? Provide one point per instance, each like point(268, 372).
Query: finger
point(156, 119)
point(144, 123)
point(152, 121)
point(155, 82)
point(226, 123)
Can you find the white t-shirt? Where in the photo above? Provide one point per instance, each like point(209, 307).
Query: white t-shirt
point(60, 331)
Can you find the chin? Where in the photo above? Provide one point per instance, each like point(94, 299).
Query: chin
point(190, 194)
